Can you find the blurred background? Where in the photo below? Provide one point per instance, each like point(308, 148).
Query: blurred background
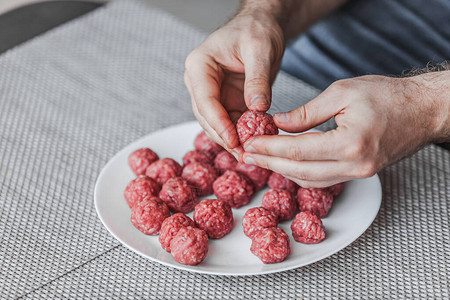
point(21, 20)
point(196, 12)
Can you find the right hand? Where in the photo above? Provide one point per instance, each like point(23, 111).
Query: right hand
point(232, 71)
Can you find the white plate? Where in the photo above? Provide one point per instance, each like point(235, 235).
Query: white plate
point(352, 213)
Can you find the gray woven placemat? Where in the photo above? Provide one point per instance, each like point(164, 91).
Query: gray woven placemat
point(73, 97)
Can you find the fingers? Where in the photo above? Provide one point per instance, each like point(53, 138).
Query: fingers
point(257, 90)
point(314, 184)
point(212, 135)
point(303, 147)
point(203, 78)
point(301, 170)
point(315, 112)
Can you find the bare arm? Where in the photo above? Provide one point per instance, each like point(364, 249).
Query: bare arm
point(293, 16)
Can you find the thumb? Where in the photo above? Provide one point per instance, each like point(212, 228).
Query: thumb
point(315, 112)
point(257, 91)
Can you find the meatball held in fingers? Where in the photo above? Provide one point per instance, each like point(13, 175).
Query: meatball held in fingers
point(254, 123)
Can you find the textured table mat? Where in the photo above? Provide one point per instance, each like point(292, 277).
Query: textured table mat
point(70, 99)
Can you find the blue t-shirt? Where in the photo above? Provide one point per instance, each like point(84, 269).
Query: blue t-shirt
point(371, 37)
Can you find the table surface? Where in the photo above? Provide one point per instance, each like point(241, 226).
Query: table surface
point(76, 95)
point(39, 17)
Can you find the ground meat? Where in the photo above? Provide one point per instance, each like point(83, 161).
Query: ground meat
point(257, 175)
point(140, 188)
point(201, 176)
point(271, 245)
point(178, 195)
point(171, 226)
point(198, 156)
point(163, 169)
point(307, 228)
point(225, 161)
point(214, 217)
point(189, 246)
point(140, 159)
point(281, 203)
point(148, 215)
point(336, 189)
point(278, 181)
point(253, 123)
point(257, 218)
point(203, 143)
point(233, 188)
point(317, 201)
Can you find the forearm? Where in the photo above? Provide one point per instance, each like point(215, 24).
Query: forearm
point(293, 16)
point(431, 90)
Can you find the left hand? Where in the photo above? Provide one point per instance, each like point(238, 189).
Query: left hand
point(379, 121)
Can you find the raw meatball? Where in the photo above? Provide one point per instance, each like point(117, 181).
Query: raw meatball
point(140, 159)
point(233, 188)
point(198, 156)
point(203, 143)
point(307, 228)
point(148, 215)
point(257, 218)
point(171, 226)
point(139, 189)
point(281, 202)
point(257, 175)
point(214, 217)
point(336, 189)
point(163, 169)
point(189, 246)
point(253, 123)
point(178, 195)
point(201, 177)
point(278, 181)
point(225, 161)
point(271, 245)
point(317, 201)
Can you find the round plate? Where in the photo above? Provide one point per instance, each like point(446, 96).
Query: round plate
point(352, 213)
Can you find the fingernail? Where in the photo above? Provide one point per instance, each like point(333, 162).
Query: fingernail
point(249, 160)
point(259, 100)
point(250, 148)
point(236, 155)
point(282, 117)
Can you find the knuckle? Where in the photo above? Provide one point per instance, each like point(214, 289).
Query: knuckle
point(301, 176)
point(304, 184)
point(302, 113)
point(260, 81)
point(295, 152)
point(356, 150)
point(186, 80)
point(192, 60)
point(188, 62)
point(263, 163)
point(225, 131)
point(201, 109)
point(258, 41)
point(267, 48)
point(366, 169)
point(250, 143)
point(342, 85)
point(262, 146)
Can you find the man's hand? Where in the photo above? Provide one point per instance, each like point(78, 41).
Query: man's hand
point(380, 120)
point(232, 71)
point(234, 68)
